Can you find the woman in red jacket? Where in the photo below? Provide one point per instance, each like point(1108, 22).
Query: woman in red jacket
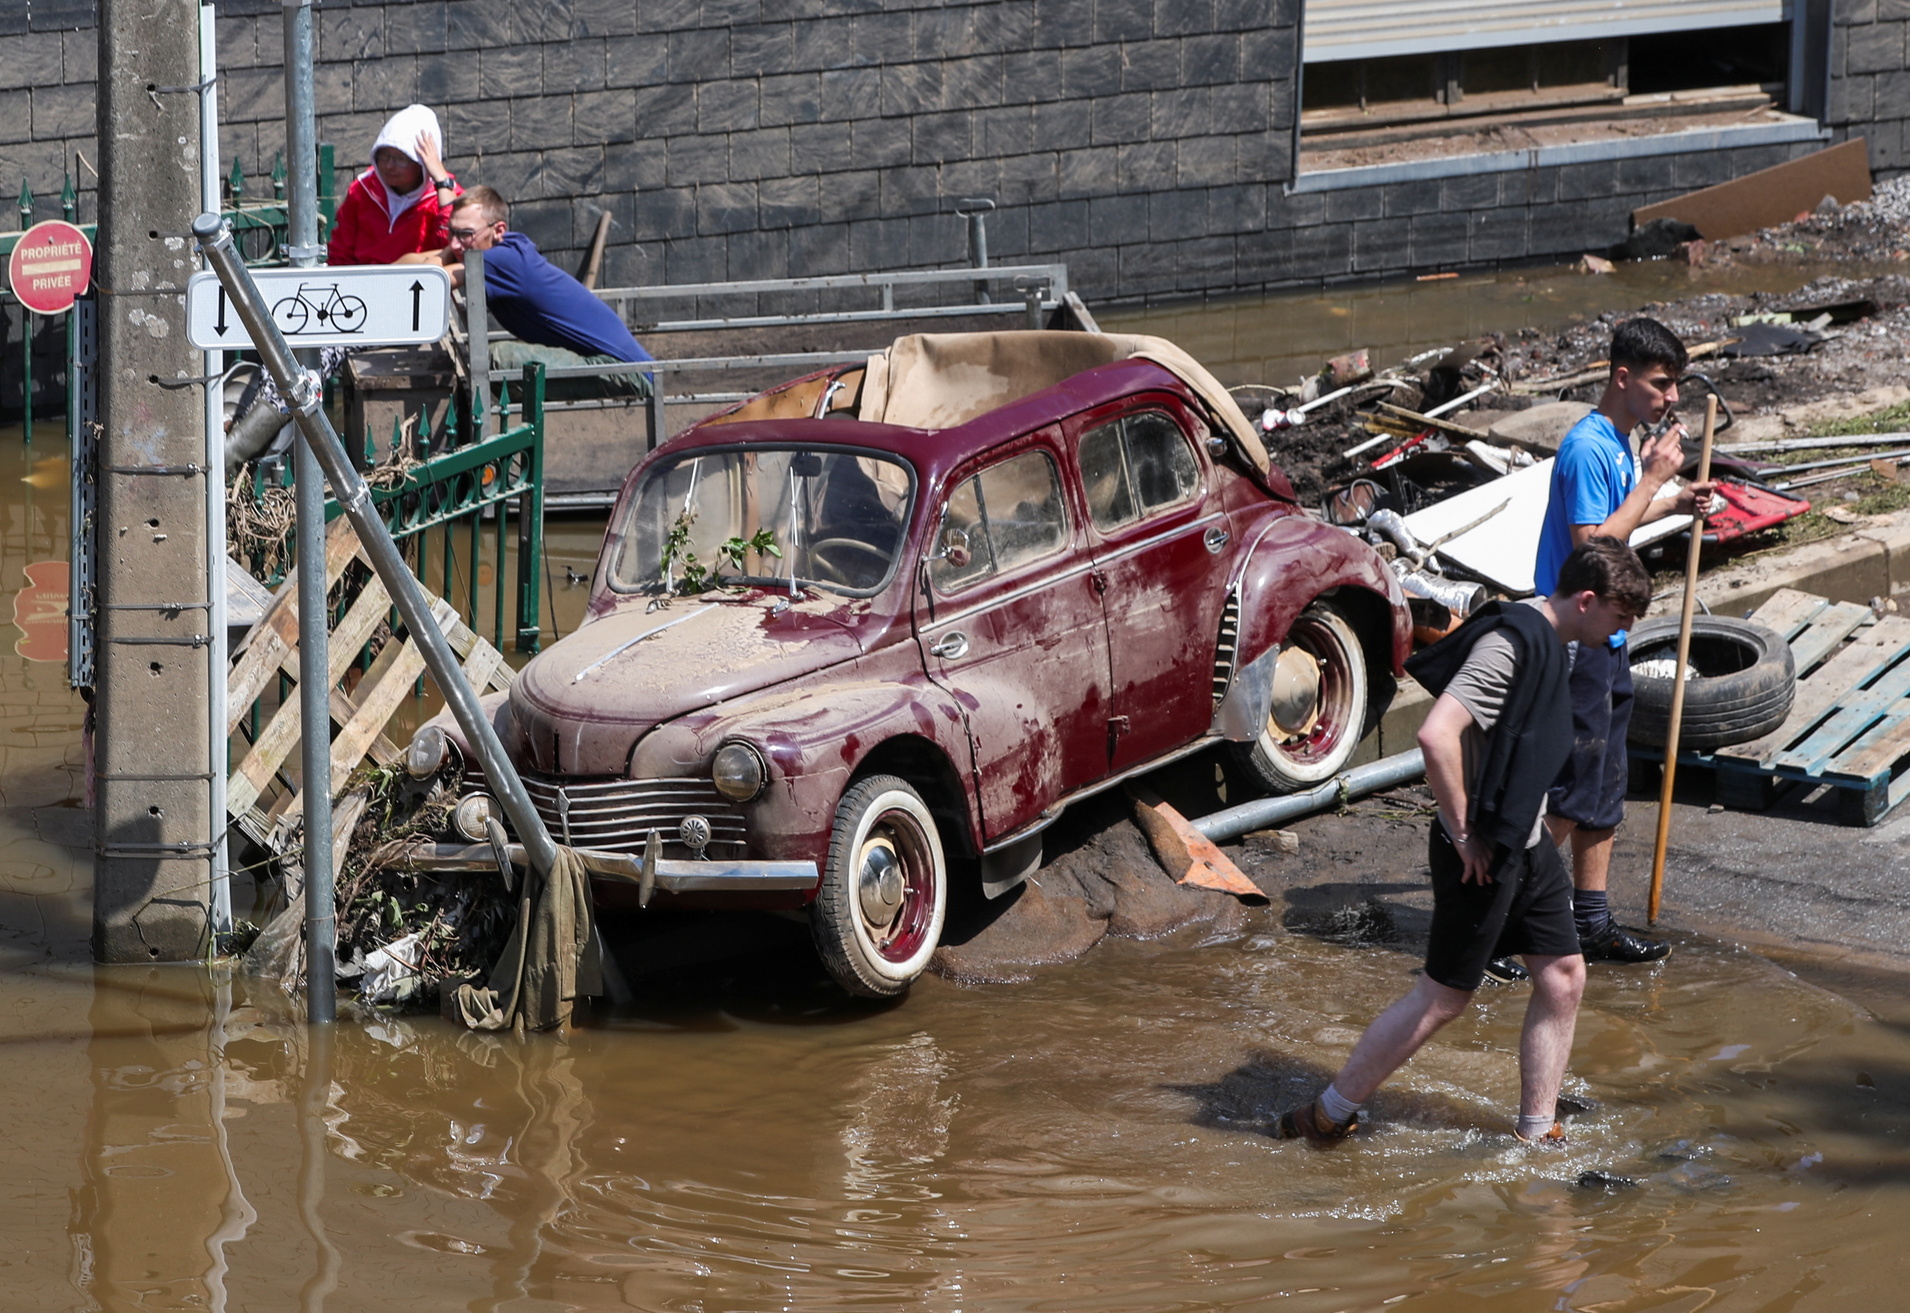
point(401, 205)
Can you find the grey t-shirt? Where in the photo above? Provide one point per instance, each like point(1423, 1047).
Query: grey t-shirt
point(1481, 687)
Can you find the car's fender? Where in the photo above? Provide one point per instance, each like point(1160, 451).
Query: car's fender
point(816, 741)
point(1297, 559)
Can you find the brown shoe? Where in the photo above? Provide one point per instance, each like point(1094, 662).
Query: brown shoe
point(1307, 1122)
point(1552, 1139)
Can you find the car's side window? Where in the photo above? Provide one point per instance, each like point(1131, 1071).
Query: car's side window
point(1136, 465)
point(1011, 512)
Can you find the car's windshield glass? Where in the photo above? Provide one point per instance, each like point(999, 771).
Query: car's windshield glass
point(827, 517)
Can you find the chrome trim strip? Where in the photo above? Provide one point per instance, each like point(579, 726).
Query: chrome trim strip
point(675, 876)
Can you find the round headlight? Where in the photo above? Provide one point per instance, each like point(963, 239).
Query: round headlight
point(426, 755)
point(739, 772)
point(473, 810)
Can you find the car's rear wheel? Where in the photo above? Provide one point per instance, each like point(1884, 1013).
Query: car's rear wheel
point(878, 916)
point(1320, 697)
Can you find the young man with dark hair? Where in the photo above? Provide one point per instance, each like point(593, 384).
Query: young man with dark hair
point(1497, 733)
point(1600, 487)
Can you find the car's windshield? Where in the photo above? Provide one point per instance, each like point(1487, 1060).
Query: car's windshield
point(761, 515)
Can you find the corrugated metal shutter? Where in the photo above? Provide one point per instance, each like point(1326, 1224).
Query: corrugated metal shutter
point(1367, 29)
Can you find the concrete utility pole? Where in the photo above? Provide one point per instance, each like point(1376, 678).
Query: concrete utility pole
point(153, 870)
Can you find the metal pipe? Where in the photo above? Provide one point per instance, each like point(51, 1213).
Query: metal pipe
point(314, 611)
point(302, 388)
point(216, 659)
point(478, 334)
point(1233, 822)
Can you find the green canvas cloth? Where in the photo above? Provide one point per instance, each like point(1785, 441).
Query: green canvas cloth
point(512, 354)
point(549, 962)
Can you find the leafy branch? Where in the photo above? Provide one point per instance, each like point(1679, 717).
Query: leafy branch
point(730, 555)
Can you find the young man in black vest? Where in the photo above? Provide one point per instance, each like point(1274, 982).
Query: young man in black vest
point(1494, 740)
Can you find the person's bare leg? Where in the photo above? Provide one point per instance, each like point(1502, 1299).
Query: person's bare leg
point(1397, 1033)
point(1550, 1020)
point(1591, 852)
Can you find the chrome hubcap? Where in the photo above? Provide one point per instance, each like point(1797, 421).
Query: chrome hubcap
point(1296, 692)
point(879, 882)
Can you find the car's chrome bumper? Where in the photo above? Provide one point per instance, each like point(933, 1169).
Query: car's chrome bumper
point(649, 871)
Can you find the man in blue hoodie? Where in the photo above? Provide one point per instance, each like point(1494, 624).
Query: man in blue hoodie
point(1599, 487)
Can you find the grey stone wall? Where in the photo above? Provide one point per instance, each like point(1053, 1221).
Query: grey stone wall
point(1870, 78)
point(1146, 142)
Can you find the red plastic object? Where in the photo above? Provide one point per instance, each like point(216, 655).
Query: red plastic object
point(1749, 509)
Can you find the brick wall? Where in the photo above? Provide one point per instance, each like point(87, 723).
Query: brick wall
point(1146, 142)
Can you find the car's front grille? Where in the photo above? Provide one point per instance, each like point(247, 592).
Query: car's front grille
point(617, 815)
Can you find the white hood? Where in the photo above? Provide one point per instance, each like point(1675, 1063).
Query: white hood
point(401, 134)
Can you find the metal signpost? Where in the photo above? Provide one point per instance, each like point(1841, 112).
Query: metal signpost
point(304, 391)
point(352, 305)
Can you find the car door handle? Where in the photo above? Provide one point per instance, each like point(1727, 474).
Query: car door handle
point(1215, 539)
point(951, 645)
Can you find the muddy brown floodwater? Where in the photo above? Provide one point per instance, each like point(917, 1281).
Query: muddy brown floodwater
point(743, 1138)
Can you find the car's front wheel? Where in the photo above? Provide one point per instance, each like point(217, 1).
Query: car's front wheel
point(1320, 696)
point(878, 915)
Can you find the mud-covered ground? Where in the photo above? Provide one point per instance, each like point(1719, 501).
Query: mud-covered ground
point(1873, 237)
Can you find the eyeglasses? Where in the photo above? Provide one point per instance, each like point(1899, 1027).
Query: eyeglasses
point(465, 234)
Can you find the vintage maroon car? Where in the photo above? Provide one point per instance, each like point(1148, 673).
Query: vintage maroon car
point(869, 633)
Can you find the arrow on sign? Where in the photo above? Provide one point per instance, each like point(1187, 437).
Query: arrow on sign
point(417, 295)
point(219, 327)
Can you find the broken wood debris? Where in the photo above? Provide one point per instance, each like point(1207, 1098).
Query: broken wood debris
point(264, 804)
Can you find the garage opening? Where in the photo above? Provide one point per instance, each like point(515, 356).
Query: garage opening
point(1443, 80)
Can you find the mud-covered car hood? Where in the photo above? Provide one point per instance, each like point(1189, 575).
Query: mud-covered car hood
point(582, 705)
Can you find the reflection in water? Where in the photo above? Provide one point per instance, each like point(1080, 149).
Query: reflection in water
point(1093, 1138)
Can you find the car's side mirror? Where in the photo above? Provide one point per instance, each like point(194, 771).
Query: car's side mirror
point(954, 549)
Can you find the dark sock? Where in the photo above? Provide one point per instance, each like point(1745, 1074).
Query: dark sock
point(1591, 911)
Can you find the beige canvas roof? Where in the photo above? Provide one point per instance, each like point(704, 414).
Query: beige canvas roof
point(940, 380)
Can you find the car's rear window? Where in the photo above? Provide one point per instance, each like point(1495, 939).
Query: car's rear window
point(1134, 466)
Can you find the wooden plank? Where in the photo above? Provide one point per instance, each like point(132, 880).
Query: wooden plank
point(1828, 628)
point(1855, 714)
point(1769, 196)
point(274, 640)
point(1876, 752)
point(1874, 651)
point(378, 698)
point(1787, 611)
point(281, 732)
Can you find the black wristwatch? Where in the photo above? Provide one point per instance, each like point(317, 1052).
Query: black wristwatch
point(448, 180)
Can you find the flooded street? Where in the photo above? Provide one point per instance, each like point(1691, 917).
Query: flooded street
point(744, 1138)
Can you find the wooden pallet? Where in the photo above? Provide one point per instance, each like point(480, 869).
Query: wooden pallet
point(1849, 727)
point(258, 796)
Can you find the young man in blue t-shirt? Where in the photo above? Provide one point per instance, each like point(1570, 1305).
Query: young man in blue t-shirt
point(1601, 488)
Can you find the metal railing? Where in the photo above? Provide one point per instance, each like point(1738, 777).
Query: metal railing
point(452, 492)
point(1040, 292)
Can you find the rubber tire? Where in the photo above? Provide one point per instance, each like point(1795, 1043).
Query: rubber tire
point(849, 946)
point(1722, 709)
point(1283, 766)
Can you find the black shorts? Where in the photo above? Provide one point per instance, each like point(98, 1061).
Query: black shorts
point(1527, 909)
point(1590, 790)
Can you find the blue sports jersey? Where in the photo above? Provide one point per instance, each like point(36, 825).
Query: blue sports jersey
point(1594, 473)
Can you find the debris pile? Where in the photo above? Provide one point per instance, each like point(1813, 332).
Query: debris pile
point(1442, 459)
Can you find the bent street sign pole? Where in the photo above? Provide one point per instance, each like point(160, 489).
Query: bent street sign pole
point(353, 305)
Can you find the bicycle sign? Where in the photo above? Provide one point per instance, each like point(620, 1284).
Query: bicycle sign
point(351, 305)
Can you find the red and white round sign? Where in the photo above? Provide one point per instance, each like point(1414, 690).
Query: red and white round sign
point(51, 266)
